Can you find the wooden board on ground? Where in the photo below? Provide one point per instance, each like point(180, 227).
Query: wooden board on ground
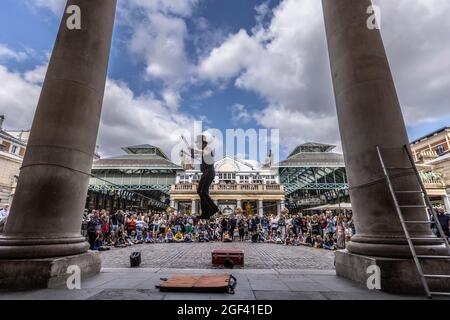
point(206, 283)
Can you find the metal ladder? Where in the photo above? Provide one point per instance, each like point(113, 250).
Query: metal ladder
point(430, 213)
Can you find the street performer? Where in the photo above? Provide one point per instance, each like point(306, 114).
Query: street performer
point(206, 155)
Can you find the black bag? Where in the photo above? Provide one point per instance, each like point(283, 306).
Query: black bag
point(135, 259)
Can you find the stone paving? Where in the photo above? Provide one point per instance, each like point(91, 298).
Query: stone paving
point(198, 256)
point(271, 272)
point(252, 284)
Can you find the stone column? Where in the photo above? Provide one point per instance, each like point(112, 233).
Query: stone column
point(239, 203)
point(278, 208)
point(369, 114)
point(194, 206)
point(47, 208)
point(260, 207)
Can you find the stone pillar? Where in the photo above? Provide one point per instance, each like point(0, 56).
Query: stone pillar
point(47, 208)
point(239, 203)
point(278, 208)
point(369, 114)
point(260, 207)
point(194, 206)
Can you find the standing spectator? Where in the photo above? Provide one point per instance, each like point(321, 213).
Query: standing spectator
point(131, 225)
point(340, 233)
point(114, 222)
point(444, 221)
point(94, 228)
point(241, 228)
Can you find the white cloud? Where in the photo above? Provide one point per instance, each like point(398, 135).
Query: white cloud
point(159, 42)
point(240, 114)
point(415, 34)
point(7, 53)
point(285, 61)
point(18, 99)
point(158, 39)
point(181, 8)
point(55, 6)
point(127, 119)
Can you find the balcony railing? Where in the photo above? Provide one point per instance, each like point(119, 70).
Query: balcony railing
point(188, 187)
point(432, 180)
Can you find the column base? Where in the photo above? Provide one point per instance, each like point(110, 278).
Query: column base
point(398, 276)
point(45, 273)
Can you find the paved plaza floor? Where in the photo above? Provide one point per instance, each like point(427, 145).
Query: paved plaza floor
point(198, 256)
point(272, 272)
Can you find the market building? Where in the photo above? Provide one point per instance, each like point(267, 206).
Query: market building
point(12, 151)
point(238, 184)
point(140, 179)
point(432, 156)
point(313, 175)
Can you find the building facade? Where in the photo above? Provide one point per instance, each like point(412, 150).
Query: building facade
point(432, 156)
point(313, 175)
point(140, 179)
point(238, 184)
point(12, 151)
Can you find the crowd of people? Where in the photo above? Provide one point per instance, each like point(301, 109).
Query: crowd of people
point(125, 228)
point(329, 230)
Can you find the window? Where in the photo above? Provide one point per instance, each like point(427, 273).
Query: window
point(257, 179)
point(15, 149)
point(227, 177)
point(440, 150)
point(244, 179)
point(270, 179)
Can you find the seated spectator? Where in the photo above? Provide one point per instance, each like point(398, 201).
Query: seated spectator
point(178, 237)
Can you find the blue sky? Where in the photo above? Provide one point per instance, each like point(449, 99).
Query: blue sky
point(233, 64)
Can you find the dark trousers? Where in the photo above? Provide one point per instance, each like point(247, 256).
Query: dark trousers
point(207, 204)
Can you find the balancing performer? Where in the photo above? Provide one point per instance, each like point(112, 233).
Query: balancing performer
point(206, 155)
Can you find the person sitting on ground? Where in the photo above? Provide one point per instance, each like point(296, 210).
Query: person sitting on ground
point(317, 241)
point(178, 237)
point(187, 237)
point(226, 237)
point(99, 244)
point(328, 243)
point(121, 241)
point(308, 240)
point(112, 238)
point(149, 238)
point(159, 238)
point(169, 236)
